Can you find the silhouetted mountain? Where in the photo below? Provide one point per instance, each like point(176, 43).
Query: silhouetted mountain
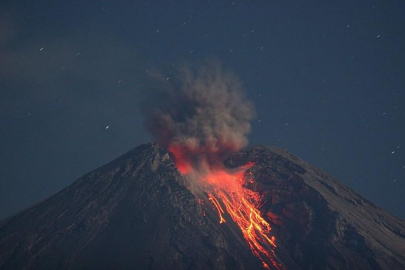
point(137, 213)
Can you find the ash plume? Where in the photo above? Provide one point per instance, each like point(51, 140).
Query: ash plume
point(201, 115)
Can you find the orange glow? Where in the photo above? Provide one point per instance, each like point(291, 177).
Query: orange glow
point(218, 207)
point(228, 196)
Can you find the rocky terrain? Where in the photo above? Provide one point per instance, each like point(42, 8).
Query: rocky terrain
point(321, 223)
point(137, 213)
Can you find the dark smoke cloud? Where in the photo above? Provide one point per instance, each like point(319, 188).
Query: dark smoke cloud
point(200, 115)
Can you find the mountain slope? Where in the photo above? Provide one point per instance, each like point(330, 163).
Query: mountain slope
point(319, 221)
point(137, 213)
point(133, 213)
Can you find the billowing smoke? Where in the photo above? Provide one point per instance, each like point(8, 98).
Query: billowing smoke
point(200, 115)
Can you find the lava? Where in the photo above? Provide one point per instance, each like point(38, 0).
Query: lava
point(226, 191)
point(218, 207)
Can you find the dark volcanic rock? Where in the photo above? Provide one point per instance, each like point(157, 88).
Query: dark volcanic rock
point(133, 213)
point(319, 222)
point(136, 213)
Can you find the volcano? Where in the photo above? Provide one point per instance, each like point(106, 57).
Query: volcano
point(140, 212)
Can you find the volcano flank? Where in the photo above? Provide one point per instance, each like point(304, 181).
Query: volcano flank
point(140, 212)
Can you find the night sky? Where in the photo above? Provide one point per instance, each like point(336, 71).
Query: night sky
point(327, 78)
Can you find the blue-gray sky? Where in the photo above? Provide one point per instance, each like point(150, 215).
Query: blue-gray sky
point(327, 79)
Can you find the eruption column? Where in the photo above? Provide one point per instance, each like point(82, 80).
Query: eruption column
point(202, 117)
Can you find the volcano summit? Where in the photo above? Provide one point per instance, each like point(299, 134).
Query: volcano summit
point(140, 212)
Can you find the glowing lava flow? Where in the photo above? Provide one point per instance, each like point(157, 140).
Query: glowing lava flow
point(226, 192)
point(241, 205)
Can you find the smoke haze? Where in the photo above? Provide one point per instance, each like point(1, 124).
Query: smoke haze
point(201, 115)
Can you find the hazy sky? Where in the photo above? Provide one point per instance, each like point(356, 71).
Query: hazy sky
point(327, 79)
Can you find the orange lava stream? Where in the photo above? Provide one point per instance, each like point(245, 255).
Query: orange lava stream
point(241, 205)
point(226, 192)
point(218, 207)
